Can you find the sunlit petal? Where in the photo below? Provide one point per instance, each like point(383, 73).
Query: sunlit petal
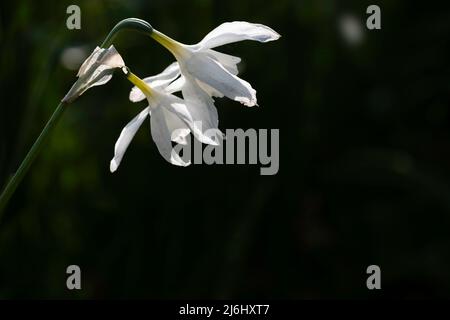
point(229, 62)
point(212, 73)
point(230, 32)
point(160, 81)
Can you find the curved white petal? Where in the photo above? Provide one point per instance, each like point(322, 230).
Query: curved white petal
point(209, 90)
point(211, 72)
point(197, 119)
point(161, 136)
point(159, 81)
point(202, 110)
point(180, 136)
point(230, 32)
point(125, 138)
point(228, 61)
point(178, 129)
point(176, 85)
point(198, 122)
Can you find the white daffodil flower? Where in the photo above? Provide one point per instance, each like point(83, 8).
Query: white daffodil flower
point(200, 105)
point(210, 71)
point(96, 70)
point(170, 119)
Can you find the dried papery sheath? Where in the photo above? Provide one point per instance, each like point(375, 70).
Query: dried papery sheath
point(96, 70)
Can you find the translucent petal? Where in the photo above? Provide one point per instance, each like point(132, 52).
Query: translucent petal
point(96, 70)
point(212, 73)
point(229, 62)
point(159, 81)
point(125, 138)
point(161, 136)
point(230, 32)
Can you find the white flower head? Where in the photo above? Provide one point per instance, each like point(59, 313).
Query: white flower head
point(202, 73)
point(170, 119)
point(211, 71)
point(96, 70)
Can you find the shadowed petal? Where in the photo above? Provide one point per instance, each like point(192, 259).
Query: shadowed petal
point(175, 124)
point(125, 138)
point(162, 137)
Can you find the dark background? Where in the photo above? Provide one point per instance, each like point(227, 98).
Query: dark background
point(364, 157)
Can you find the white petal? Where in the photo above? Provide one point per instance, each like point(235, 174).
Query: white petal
point(176, 86)
point(125, 138)
point(160, 81)
point(209, 90)
point(175, 124)
point(212, 73)
point(161, 137)
point(202, 110)
point(196, 118)
point(228, 61)
point(229, 32)
point(181, 136)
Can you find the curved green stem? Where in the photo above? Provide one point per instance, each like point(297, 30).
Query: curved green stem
point(30, 157)
point(126, 24)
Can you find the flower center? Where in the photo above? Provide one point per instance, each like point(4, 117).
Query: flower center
point(138, 82)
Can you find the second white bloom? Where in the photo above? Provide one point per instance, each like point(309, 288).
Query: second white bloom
point(170, 119)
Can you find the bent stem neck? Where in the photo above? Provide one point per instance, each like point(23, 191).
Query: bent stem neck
point(175, 47)
point(127, 24)
point(11, 186)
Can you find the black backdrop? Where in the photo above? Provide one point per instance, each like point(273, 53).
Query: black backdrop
point(364, 158)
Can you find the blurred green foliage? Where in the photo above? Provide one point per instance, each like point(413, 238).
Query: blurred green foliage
point(364, 166)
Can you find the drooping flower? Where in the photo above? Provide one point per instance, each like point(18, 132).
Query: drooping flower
point(202, 73)
point(212, 71)
point(200, 105)
point(170, 119)
point(96, 70)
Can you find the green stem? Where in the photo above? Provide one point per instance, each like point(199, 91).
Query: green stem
point(30, 157)
point(127, 24)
